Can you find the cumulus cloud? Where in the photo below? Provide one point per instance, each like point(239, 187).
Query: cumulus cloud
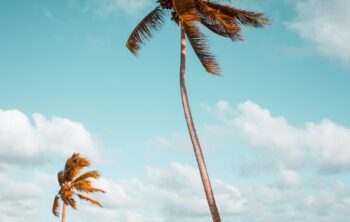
point(18, 200)
point(325, 143)
point(170, 194)
point(273, 203)
point(180, 192)
point(325, 24)
point(26, 143)
point(174, 193)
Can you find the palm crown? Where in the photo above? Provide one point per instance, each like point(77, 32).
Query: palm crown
point(223, 20)
point(71, 184)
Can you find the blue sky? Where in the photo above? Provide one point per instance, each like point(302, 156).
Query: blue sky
point(274, 129)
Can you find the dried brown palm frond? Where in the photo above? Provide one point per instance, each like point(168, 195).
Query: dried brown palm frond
point(89, 199)
point(218, 22)
point(223, 20)
point(74, 165)
point(144, 30)
point(71, 183)
point(72, 202)
point(81, 184)
point(185, 9)
point(90, 174)
point(55, 206)
point(244, 17)
point(66, 192)
point(200, 46)
point(61, 178)
point(187, 18)
point(85, 186)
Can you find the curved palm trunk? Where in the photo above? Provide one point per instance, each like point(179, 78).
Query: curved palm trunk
point(64, 212)
point(192, 131)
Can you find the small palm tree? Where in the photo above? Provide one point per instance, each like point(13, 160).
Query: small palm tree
point(223, 20)
point(71, 184)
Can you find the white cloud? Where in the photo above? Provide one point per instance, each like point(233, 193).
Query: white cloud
point(325, 24)
point(180, 193)
point(24, 143)
point(175, 193)
point(108, 7)
point(282, 185)
point(18, 200)
point(325, 143)
point(308, 202)
point(170, 194)
point(290, 177)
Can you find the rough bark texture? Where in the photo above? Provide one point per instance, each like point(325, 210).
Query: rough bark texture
point(64, 212)
point(192, 131)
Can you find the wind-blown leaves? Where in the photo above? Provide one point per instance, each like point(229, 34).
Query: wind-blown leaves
point(73, 166)
point(71, 202)
point(217, 22)
point(200, 46)
point(144, 30)
point(87, 175)
point(55, 206)
point(187, 18)
point(244, 17)
point(185, 9)
point(70, 186)
point(89, 199)
point(85, 186)
point(61, 178)
point(223, 20)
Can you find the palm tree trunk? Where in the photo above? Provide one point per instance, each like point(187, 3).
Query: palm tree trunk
point(192, 131)
point(64, 212)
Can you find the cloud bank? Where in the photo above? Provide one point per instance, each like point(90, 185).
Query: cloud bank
point(168, 194)
point(18, 200)
point(174, 192)
point(325, 144)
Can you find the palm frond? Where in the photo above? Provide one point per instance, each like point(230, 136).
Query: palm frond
point(89, 199)
point(85, 186)
point(55, 206)
point(71, 202)
point(61, 178)
point(200, 46)
point(66, 191)
point(218, 22)
point(81, 184)
point(73, 166)
point(90, 174)
point(234, 35)
point(185, 9)
point(144, 30)
point(244, 17)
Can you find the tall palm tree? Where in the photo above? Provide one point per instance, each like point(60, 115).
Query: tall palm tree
point(224, 20)
point(71, 184)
